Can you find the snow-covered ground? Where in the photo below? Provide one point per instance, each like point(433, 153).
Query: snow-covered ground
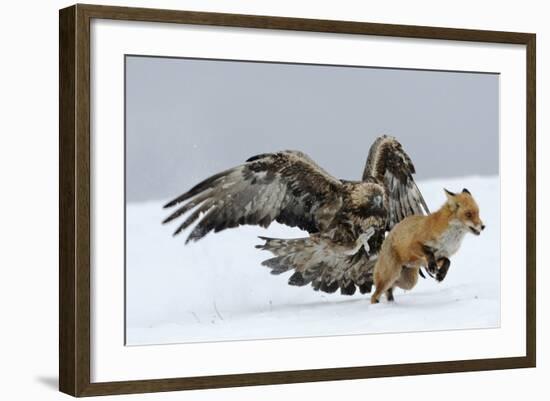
point(216, 289)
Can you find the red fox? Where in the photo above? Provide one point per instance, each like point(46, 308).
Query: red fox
point(425, 241)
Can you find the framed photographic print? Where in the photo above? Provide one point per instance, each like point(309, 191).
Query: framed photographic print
point(250, 200)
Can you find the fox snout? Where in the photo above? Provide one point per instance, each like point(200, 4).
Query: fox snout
point(477, 229)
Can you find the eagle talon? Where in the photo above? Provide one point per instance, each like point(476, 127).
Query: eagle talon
point(362, 241)
point(364, 238)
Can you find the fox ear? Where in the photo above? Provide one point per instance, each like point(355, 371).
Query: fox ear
point(451, 200)
point(449, 193)
point(464, 190)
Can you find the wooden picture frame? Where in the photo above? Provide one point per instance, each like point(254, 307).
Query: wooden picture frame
point(74, 200)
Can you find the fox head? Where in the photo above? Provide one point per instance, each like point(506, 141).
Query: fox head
point(465, 210)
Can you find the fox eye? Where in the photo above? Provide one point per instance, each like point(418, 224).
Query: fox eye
point(469, 215)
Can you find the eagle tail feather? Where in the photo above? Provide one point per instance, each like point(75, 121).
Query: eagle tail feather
point(320, 262)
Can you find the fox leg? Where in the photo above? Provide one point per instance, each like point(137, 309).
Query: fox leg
point(383, 285)
point(408, 278)
point(444, 264)
point(389, 294)
point(380, 289)
point(429, 252)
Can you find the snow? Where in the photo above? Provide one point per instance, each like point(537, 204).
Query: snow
point(216, 289)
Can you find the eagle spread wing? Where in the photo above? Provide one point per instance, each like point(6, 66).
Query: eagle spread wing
point(347, 220)
point(287, 187)
point(389, 163)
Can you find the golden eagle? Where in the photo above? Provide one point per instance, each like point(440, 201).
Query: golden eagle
point(346, 220)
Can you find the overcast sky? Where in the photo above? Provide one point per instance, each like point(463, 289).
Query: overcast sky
point(187, 119)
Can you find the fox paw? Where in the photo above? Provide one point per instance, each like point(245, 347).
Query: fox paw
point(441, 273)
